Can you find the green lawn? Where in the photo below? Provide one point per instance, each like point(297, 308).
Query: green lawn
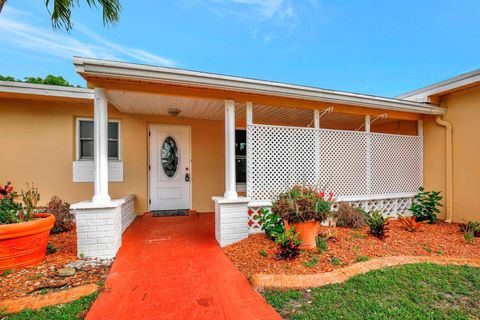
point(419, 291)
point(70, 311)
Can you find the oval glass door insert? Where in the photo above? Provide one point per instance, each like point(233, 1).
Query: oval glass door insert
point(170, 157)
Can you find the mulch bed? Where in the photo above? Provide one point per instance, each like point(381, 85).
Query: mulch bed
point(42, 278)
point(350, 246)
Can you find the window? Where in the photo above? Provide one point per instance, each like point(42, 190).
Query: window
point(241, 156)
point(85, 139)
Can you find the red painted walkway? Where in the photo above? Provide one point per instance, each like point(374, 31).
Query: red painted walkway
point(172, 268)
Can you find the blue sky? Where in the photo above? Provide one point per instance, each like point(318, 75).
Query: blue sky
point(375, 47)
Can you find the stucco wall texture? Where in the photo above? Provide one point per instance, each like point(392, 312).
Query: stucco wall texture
point(38, 146)
point(463, 113)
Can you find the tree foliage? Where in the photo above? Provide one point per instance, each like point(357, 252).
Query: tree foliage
point(49, 79)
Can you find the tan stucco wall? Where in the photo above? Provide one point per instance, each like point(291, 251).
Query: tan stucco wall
point(397, 127)
point(35, 136)
point(464, 114)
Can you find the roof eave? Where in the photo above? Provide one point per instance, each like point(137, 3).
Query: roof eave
point(100, 68)
point(22, 88)
point(450, 85)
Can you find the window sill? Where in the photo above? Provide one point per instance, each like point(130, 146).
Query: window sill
point(84, 171)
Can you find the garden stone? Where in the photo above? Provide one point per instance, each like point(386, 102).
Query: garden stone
point(82, 264)
point(66, 272)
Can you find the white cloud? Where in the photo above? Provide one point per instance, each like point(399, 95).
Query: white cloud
point(269, 19)
point(267, 8)
point(135, 53)
point(50, 43)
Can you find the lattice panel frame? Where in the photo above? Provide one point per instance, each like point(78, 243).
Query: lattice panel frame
point(254, 225)
point(396, 163)
point(349, 163)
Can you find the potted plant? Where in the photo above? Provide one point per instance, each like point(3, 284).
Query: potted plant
point(23, 234)
point(303, 207)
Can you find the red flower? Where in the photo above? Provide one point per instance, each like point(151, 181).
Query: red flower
point(330, 196)
point(321, 194)
point(8, 188)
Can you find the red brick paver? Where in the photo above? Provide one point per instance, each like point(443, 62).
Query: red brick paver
point(172, 268)
point(285, 282)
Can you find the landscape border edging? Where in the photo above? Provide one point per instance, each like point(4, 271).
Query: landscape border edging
point(261, 282)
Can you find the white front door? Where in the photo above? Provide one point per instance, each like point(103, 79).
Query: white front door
point(169, 167)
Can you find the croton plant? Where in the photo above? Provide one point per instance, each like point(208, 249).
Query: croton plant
point(302, 204)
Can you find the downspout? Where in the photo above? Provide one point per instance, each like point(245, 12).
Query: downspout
point(449, 166)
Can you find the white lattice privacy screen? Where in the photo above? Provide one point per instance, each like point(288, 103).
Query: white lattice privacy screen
point(349, 163)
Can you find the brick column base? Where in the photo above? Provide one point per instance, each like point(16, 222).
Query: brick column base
point(100, 227)
point(231, 220)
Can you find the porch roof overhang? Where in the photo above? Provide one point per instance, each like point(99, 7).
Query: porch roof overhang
point(30, 91)
point(114, 75)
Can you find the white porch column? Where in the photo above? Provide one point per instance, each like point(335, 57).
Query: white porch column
point(316, 119)
point(249, 113)
point(316, 125)
point(420, 128)
point(368, 155)
point(230, 181)
point(100, 143)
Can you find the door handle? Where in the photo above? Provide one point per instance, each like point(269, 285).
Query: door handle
point(187, 177)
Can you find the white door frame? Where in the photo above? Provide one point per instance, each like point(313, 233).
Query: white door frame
point(149, 164)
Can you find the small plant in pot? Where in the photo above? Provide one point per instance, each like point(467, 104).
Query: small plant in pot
point(303, 207)
point(23, 234)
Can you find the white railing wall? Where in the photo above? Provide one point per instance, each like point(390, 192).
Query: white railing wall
point(369, 170)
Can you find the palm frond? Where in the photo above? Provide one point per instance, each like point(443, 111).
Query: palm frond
point(61, 11)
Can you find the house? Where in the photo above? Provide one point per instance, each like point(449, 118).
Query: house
point(146, 138)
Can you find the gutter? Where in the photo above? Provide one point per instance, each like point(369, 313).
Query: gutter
point(449, 166)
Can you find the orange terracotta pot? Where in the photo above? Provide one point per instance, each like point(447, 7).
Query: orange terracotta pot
point(307, 232)
point(24, 244)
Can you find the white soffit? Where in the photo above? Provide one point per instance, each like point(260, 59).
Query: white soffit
point(210, 109)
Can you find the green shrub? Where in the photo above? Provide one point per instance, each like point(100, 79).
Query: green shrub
point(64, 219)
point(362, 258)
point(425, 205)
point(288, 245)
point(348, 216)
point(51, 248)
point(469, 236)
point(336, 261)
point(321, 244)
point(263, 253)
point(270, 222)
point(311, 263)
point(469, 226)
point(377, 223)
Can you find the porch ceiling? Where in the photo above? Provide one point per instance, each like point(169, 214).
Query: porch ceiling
point(214, 109)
